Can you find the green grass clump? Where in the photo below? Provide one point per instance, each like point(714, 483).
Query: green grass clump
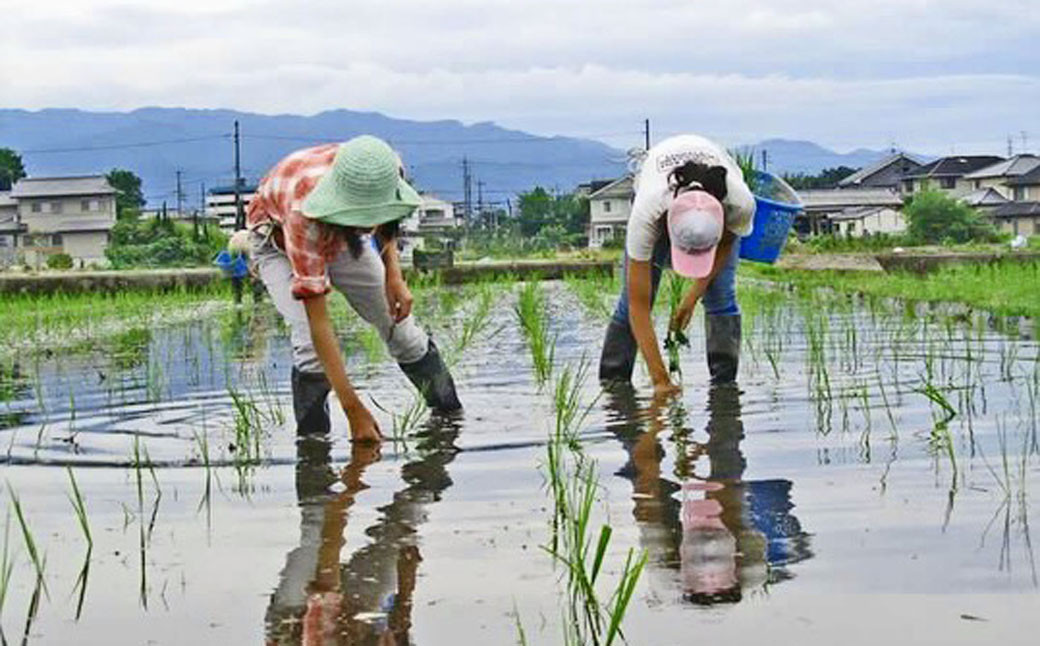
point(1007, 288)
point(532, 313)
point(39, 322)
point(573, 482)
point(596, 292)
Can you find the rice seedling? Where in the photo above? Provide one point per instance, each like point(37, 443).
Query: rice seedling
point(76, 498)
point(273, 412)
point(372, 345)
point(35, 323)
point(6, 567)
point(202, 442)
point(249, 421)
point(521, 636)
point(404, 423)
point(534, 323)
point(1012, 480)
point(39, 561)
point(567, 405)
point(593, 291)
point(475, 324)
point(940, 439)
point(623, 594)
point(675, 340)
point(573, 483)
point(819, 375)
point(888, 408)
point(140, 462)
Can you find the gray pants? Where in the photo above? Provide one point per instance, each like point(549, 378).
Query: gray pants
point(362, 281)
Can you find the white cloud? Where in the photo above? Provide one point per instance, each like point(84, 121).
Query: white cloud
point(924, 73)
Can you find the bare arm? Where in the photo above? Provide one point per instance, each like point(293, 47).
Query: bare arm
point(398, 296)
point(362, 425)
point(639, 318)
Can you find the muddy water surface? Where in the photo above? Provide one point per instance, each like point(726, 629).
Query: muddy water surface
point(821, 500)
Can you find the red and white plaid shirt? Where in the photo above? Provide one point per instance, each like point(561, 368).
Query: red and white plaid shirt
point(309, 244)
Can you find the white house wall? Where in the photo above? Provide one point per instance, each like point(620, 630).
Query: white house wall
point(88, 246)
point(71, 213)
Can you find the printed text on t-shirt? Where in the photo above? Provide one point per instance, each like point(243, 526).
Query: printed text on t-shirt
point(669, 161)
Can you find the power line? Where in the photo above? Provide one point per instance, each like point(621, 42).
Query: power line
point(439, 142)
point(143, 144)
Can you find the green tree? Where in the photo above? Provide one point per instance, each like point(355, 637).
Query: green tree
point(137, 242)
point(933, 216)
point(130, 198)
point(11, 168)
point(827, 178)
point(535, 210)
point(539, 209)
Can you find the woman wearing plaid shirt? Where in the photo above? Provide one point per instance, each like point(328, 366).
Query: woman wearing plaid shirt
point(310, 223)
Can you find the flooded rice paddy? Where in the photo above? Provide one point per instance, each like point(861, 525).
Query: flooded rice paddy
point(873, 477)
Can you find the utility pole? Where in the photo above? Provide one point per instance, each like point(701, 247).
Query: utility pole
point(202, 208)
point(467, 191)
point(240, 213)
point(1011, 146)
point(480, 200)
point(646, 134)
point(765, 160)
point(180, 196)
point(1025, 141)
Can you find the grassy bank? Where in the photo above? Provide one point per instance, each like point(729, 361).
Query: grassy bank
point(1003, 288)
point(34, 323)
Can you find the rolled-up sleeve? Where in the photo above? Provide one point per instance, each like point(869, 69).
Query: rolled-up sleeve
point(303, 248)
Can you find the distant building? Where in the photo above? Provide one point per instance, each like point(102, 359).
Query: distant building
point(1021, 215)
point(947, 174)
point(885, 173)
point(220, 204)
point(610, 205)
point(1018, 218)
point(436, 216)
point(851, 211)
point(71, 215)
point(997, 176)
point(9, 224)
point(1026, 187)
point(984, 199)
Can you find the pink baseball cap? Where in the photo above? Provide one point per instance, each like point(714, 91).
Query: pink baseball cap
point(695, 224)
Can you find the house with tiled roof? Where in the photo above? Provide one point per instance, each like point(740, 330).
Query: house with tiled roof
point(997, 176)
point(1026, 187)
point(885, 173)
point(1021, 214)
point(851, 211)
point(610, 204)
point(947, 174)
point(984, 199)
point(71, 215)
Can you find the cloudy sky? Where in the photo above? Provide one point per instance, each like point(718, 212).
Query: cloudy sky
point(933, 76)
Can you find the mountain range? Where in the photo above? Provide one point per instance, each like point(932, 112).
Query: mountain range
point(157, 142)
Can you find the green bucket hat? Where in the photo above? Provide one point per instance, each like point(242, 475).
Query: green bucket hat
point(363, 188)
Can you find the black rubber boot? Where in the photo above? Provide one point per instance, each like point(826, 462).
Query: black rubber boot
point(310, 406)
point(618, 359)
point(722, 332)
point(433, 380)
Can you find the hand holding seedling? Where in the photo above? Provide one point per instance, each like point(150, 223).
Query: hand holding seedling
point(363, 426)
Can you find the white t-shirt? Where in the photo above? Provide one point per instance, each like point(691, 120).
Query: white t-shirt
point(654, 196)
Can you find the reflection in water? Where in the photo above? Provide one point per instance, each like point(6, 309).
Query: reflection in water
point(367, 598)
point(723, 533)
